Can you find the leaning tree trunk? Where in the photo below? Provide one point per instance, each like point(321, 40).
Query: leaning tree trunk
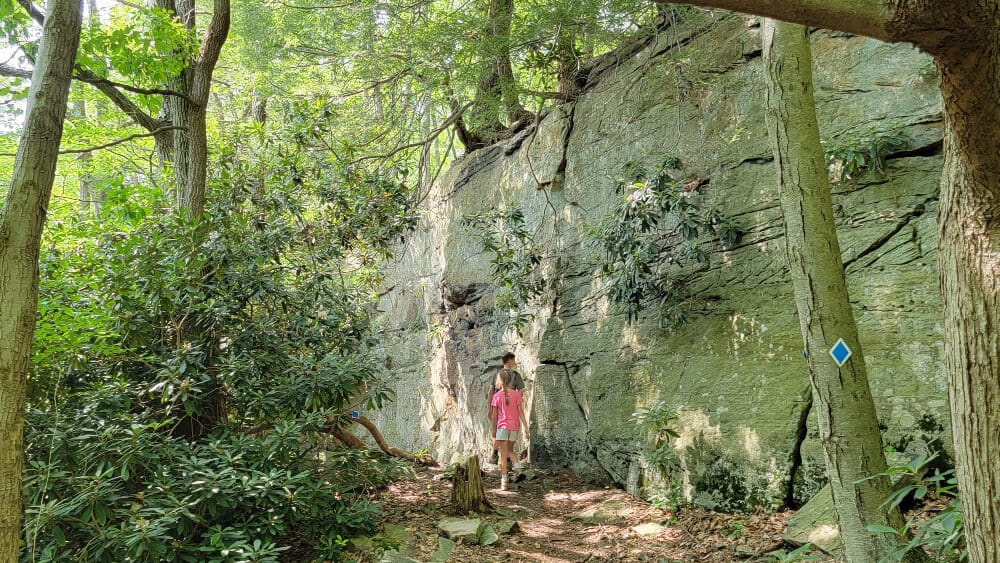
point(847, 420)
point(969, 255)
point(21, 220)
point(468, 494)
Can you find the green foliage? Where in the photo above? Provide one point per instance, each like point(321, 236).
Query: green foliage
point(13, 22)
point(658, 422)
point(14, 31)
point(146, 46)
point(943, 534)
point(855, 153)
point(515, 261)
point(801, 553)
point(177, 410)
point(401, 69)
point(115, 488)
point(658, 223)
point(734, 530)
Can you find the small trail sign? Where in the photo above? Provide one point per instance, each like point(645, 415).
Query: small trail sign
point(840, 352)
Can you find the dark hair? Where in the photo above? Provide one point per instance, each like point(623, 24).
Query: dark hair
point(507, 357)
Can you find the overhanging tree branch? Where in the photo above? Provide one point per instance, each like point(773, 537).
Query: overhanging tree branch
point(455, 117)
point(113, 143)
point(864, 17)
point(144, 120)
point(84, 75)
point(7, 70)
point(34, 11)
point(90, 78)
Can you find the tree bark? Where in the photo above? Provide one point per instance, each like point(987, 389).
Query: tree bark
point(21, 221)
point(468, 494)
point(969, 269)
point(846, 411)
point(567, 63)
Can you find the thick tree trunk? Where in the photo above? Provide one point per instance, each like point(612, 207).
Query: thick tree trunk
point(183, 113)
point(567, 64)
point(21, 220)
point(187, 149)
point(468, 494)
point(847, 421)
point(501, 18)
point(496, 92)
point(969, 263)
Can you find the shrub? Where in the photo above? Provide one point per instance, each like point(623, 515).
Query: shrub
point(658, 224)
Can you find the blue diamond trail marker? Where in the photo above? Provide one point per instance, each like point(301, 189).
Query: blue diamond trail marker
point(840, 352)
point(355, 415)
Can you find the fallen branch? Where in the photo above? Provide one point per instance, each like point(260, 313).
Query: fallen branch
point(374, 431)
point(347, 438)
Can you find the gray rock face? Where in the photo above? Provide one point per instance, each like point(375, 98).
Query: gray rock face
point(734, 370)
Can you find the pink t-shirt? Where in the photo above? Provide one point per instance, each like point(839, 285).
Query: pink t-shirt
point(508, 413)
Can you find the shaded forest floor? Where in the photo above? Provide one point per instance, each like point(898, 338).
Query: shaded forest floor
point(561, 519)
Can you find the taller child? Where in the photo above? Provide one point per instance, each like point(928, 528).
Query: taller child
point(506, 409)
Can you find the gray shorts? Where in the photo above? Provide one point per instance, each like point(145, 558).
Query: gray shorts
point(508, 435)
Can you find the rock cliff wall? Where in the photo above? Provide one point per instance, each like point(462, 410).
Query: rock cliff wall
point(734, 370)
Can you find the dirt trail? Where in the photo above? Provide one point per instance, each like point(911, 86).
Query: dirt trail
point(560, 519)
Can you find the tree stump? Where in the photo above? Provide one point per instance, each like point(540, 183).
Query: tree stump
point(468, 494)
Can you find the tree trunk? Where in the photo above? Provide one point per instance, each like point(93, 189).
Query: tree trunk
point(191, 157)
point(496, 92)
point(501, 18)
point(969, 269)
point(86, 192)
point(21, 221)
point(188, 194)
point(468, 494)
point(567, 64)
point(847, 421)
point(185, 150)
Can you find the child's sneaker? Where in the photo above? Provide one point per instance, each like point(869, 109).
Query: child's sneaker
point(503, 482)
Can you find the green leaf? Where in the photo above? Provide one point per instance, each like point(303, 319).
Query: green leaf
point(881, 529)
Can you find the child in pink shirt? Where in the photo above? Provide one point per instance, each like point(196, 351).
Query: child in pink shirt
point(507, 413)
